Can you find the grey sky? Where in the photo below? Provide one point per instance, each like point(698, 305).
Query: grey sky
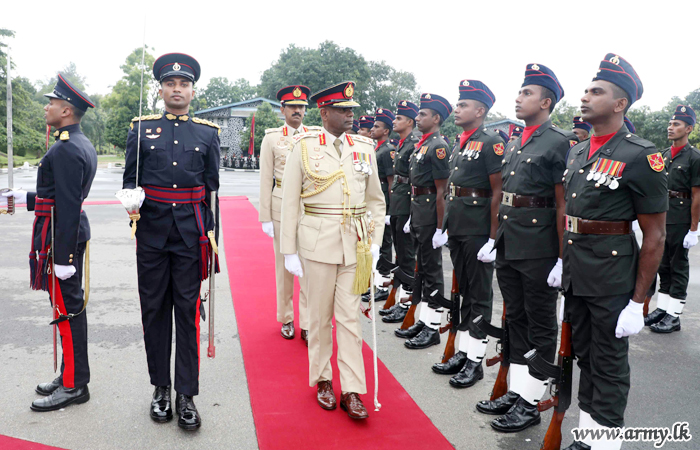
point(489, 40)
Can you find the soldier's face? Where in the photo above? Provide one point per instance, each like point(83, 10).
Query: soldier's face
point(467, 111)
point(294, 114)
point(599, 101)
point(427, 120)
point(677, 129)
point(581, 134)
point(401, 124)
point(55, 111)
point(177, 93)
point(528, 103)
point(364, 132)
point(338, 119)
point(379, 131)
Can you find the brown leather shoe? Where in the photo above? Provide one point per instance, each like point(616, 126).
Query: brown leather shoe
point(351, 403)
point(325, 395)
point(288, 330)
point(305, 336)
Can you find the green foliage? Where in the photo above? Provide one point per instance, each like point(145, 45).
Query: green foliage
point(265, 117)
point(563, 115)
point(387, 86)
point(221, 92)
point(4, 32)
point(313, 117)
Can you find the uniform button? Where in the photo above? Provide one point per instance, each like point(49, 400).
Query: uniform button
point(427, 199)
point(505, 217)
point(70, 260)
point(534, 220)
point(512, 173)
point(475, 202)
point(174, 205)
point(681, 203)
point(580, 171)
point(679, 167)
point(153, 147)
point(597, 185)
point(469, 159)
point(174, 163)
point(519, 151)
point(196, 149)
point(629, 135)
point(456, 168)
point(411, 198)
point(570, 242)
point(573, 195)
point(174, 186)
point(39, 164)
point(177, 125)
point(175, 142)
point(614, 252)
point(392, 191)
point(529, 159)
point(70, 256)
point(451, 198)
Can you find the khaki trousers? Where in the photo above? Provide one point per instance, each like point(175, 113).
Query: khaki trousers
point(285, 287)
point(329, 290)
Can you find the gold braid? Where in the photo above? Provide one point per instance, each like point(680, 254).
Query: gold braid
point(325, 181)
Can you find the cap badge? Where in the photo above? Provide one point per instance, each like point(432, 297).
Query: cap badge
point(349, 90)
point(465, 83)
point(176, 66)
point(427, 96)
point(380, 111)
point(615, 60)
point(683, 109)
point(363, 118)
point(535, 67)
point(403, 103)
point(296, 92)
point(673, 118)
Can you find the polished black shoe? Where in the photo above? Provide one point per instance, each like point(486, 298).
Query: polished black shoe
point(452, 366)
point(499, 406)
point(48, 388)
point(395, 317)
point(161, 408)
point(391, 309)
point(380, 295)
point(188, 417)
point(654, 317)
point(426, 338)
point(578, 445)
point(468, 376)
point(60, 398)
point(668, 324)
point(521, 416)
point(410, 332)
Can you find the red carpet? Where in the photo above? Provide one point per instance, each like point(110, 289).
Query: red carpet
point(8, 443)
point(284, 406)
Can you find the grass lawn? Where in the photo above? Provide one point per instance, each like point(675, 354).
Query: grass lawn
point(18, 161)
point(110, 158)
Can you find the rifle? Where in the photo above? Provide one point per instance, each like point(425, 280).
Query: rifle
point(561, 375)
point(454, 320)
point(410, 318)
point(395, 283)
point(645, 310)
point(500, 387)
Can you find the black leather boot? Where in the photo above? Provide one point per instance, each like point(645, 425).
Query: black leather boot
point(521, 416)
point(578, 445)
point(48, 388)
point(188, 416)
point(386, 312)
point(380, 295)
point(654, 317)
point(499, 406)
point(668, 324)
point(452, 366)
point(161, 408)
point(468, 376)
point(411, 331)
point(426, 338)
point(60, 398)
point(397, 316)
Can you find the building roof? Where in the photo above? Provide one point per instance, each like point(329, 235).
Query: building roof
point(239, 105)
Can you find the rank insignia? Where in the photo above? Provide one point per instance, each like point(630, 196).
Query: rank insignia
point(322, 139)
point(284, 131)
point(656, 162)
point(158, 130)
point(153, 136)
point(572, 143)
point(64, 136)
point(498, 149)
point(350, 141)
point(148, 130)
point(440, 153)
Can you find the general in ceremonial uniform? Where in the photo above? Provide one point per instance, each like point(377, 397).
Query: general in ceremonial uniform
point(581, 129)
point(528, 243)
point(471, 220)
point(334, 229)
point(400, 208)
point(274, 152)
point(63, 182)
point(178, 170)
point(682, 162)
point(612, 179)
point(429, 170)
point(365, 126)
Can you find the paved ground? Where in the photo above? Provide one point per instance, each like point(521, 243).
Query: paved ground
point(664, 368)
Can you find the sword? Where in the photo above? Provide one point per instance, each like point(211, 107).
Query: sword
point(54, 306)
point(10, 166)
point(211, 351)
point(377, 405)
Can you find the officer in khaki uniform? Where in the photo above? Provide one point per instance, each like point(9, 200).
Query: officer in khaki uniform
point(611, 179)
point(274, 152)
point(683, 169)
point(336, 225)
point(471, 212)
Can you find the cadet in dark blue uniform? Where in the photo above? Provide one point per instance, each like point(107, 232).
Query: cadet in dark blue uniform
point(581, 128)
point(179, 169)
point(515, 134)
point(366, 123)
point(612, 179)
point(63, 181)
point(682, 162)
point(471, 220)
point(528, 244)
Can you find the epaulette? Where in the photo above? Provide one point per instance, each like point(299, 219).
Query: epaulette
point(566, 133)
point(490, 133)
point(313, 128)
point(303, 135)
point(366, 140)
point(143, 118)
point(206, 122)
point(633, 138)
point(273, 130)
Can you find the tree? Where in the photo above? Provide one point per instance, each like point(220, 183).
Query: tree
point(265, 117)
point(388, 86)
point(221, 92)
point(4, 32)
point(123, 102)
point(563, 115)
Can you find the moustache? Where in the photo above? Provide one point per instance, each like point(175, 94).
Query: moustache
point(296, 114)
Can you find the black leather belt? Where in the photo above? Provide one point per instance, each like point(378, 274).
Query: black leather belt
point(423, 190)
point(526, 201)
point(678, 194)
point(458, 191)
point(607, 227)
point(400, 179)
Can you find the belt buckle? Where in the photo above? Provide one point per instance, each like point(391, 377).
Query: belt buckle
point(572, 224)
point(453, 190)
point(507, 199)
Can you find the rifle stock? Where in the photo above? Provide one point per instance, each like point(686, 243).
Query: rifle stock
point(410, 318)
point(645, 311)
point(391, 300)
point(454, 320)
point(552, 440)
point(500, 387)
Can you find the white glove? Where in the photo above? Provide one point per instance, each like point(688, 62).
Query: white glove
point(268, 229)
point(375, 255)
point(143, 197)
point(561, 309)
point(387, 220)
point(631, 320)
point(487, 254)
point(293, 265)
point(635, 226)
point(19, 195)
point(691, 239)
point(439, 238)
point(64, 272)
point(554, 278)
point(407, 227)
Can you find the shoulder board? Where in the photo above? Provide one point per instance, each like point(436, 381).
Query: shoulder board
point(567, 134)
point(366, 140)
point(144, 118)
point(490, 133)
point(306, 134)
point(273, 130)
point(206, 122)
point(313, 128)
point(633, 138)
point(695, 150)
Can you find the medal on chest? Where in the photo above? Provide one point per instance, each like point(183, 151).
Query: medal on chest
point(472, 149)
point(606, 172)
point(362, 162)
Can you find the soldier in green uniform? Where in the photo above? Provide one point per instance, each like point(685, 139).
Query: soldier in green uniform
point(682, 162)
point(582, 129)
point(528, 243)
point(400, 207)
point(471, 220)
point(429, 170)
point(612, 179)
